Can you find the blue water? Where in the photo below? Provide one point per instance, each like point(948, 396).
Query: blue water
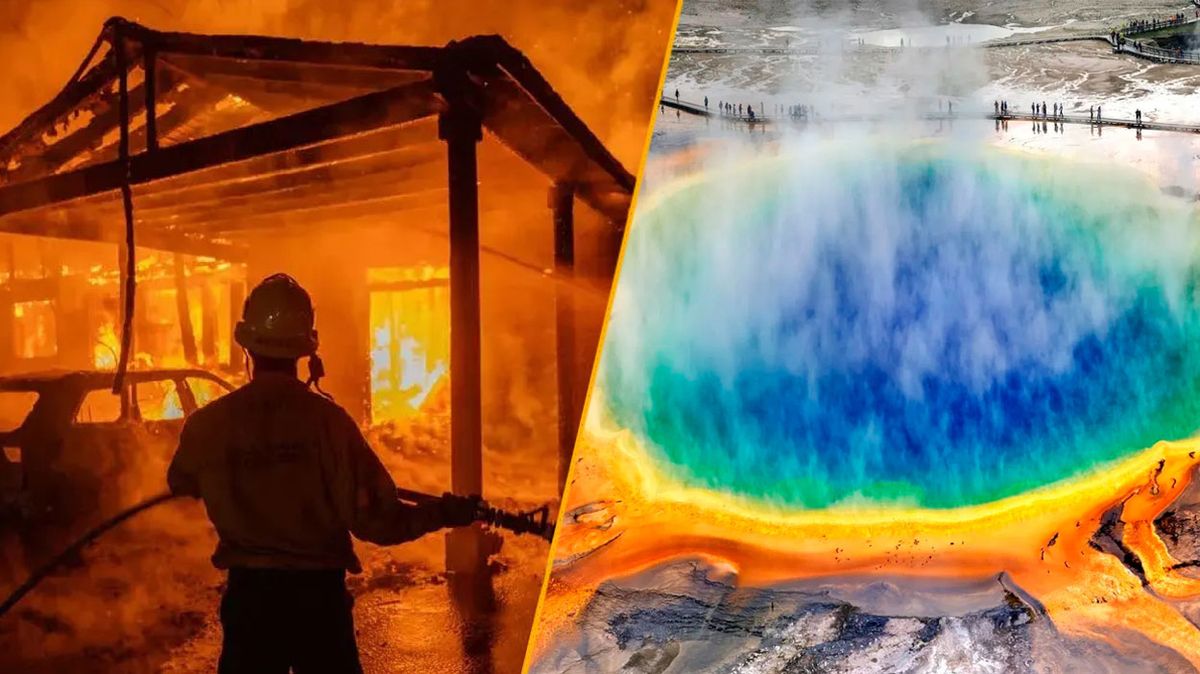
point(922, 329)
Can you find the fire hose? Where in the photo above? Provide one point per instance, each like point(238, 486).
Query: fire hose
point(536, 522)
point(73, 550)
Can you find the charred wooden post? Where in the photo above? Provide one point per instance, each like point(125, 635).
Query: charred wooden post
point(461, 127)
point(570, 397)
point(129, 280)
point(461, 134)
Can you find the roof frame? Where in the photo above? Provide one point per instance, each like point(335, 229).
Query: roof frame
point(363, 113)
point(517, 105)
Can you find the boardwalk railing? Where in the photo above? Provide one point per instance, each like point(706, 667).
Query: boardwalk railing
point(1124, 44)
point(815, 51)
point(698, 109)
point(1159, 54)
point(1150, 26)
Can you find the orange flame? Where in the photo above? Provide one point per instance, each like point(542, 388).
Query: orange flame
point(34, 323)
point(104, 353)
point(410, 338)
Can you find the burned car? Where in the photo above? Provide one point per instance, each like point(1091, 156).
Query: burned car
point(74, 451)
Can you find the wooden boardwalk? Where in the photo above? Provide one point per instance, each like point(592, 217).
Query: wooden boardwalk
point(1127, 45)
point(813, 51)
point(1161, 55)
point(1026, 42)
point(699, 110)
point(1151, 28)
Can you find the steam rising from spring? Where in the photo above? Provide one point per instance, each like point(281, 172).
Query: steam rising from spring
point(903, 322)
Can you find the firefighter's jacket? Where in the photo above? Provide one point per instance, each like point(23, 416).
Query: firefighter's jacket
point(287, 477)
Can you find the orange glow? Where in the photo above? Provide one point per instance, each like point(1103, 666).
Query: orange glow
point(107, 346)
point(158, 400)
point(410, 338)
point(205, 391)
point(1040, 538)
point(171, 407)
point(162, 340)
point(34, 328)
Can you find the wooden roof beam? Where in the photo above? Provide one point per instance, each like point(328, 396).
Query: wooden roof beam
point(90, 139)
point(363, 113)
point(401, 183)
point(284, 73)
point(262, 48)
point(409, 205)
point(78, 227)
point(67, 101)
point(409, 169)
point(367, 147)
point(335, 178)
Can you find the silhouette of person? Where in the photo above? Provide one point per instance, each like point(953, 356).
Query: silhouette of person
point(286, 478)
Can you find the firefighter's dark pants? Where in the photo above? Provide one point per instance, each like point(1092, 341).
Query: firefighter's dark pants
point(275, 620)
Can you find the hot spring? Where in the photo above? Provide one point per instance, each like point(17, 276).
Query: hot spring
point(905, 324)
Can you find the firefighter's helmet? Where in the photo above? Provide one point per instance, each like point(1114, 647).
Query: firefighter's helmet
point(277, 320)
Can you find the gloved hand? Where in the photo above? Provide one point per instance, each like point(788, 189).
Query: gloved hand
point(459, 511)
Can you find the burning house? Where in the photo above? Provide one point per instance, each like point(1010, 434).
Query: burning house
point(426, 196)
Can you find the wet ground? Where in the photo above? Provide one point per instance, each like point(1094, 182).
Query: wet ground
point(144, 597)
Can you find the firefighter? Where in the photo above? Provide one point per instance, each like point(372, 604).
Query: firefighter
point(287, 477)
